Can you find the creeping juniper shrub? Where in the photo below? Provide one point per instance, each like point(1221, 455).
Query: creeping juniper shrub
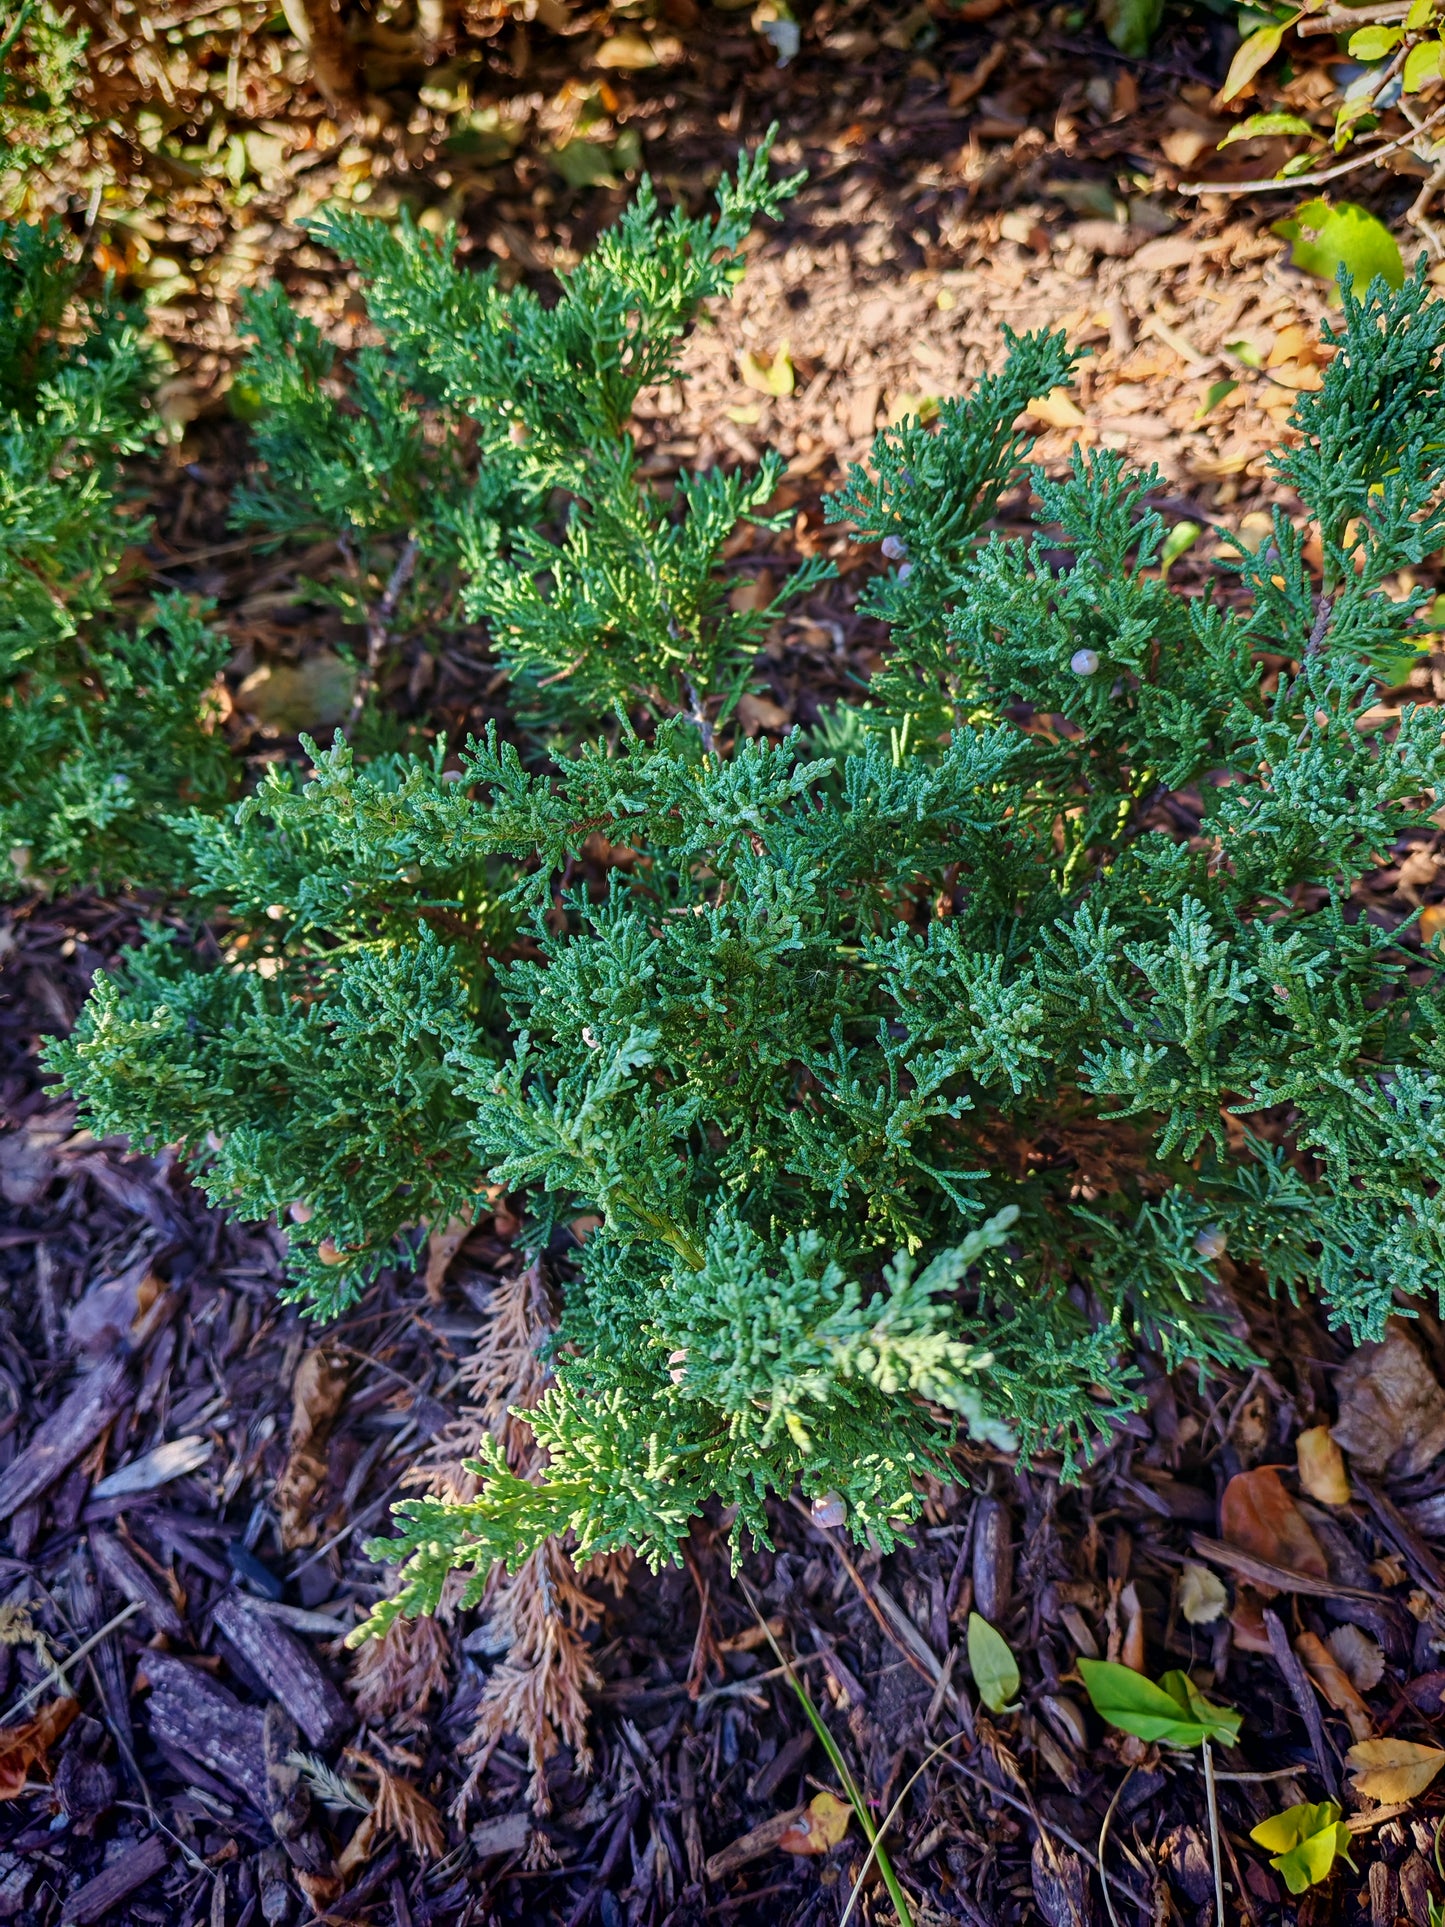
point(105, 731)
point(910, 1079)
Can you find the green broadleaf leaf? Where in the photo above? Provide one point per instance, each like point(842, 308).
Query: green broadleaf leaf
point(1131, 24)
point(1420, 15)
point(1218, 391)
point(1327, 239)
point(1173, 1712)
point(1422, 63)
point(991, 1661)
point(1252, 54)
point(1305, 1841)
point(1373, 43)
point(1258, 126)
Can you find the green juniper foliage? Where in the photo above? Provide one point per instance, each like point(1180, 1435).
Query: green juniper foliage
point(103, 736)
point(484, 407)
point(906, 1081)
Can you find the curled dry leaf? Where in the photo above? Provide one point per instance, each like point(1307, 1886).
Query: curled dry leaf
point(1335, 1683)
point(1321, 1467)
point(1259, 1516)
point(775, 376)
point(1392, 1410)
point(1131, 1645)
point(443, 1243)
point(820, 1828)
point(29, 1744)
point(1362, 1657)
point(1393, 1770)
point(316, 1395)
point(1202, 1597)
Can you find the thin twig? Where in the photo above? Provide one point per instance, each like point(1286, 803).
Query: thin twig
point(1321, 627)
point(697, 716)
point(378, 634)
point(1320, 174)
point(1103, 1838)
point(361, 1519)
point(1339, 18)
point(1252, 1779)
point(1213, 1806)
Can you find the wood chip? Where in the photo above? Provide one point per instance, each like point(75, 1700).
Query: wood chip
point(280, 1660)
point(193, 1717)
point(156, 1468)
point(120, 1568)
point(753, 1845)
point(110, 1887)
point(509, 1834)
point(76, 1423)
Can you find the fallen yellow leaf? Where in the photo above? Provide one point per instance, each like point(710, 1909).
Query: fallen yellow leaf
point(1056, 410)
point(1297, 375)
point(1321, 1467)
point(773, 377)
point(1201, 1596)
point(1393, 1770)
point(821, 1828)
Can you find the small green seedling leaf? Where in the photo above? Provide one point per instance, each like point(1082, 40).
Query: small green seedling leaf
point(991, 1661)
point(1180, 539)
point(1327, 239)
point(1420, 15)
point(1305, 1842)
point(1260, 126)
point(1174, 1712)
point(1217, 392)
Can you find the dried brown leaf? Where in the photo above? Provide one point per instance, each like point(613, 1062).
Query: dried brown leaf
point(29, 1744)
point(1362, 1657)
point(1259, 1516)
point(442, 1245)
point(820, 1827)
point(1202, 1597)
point(1392, 1410)
point(1335, 1683)
point(317, 1392)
